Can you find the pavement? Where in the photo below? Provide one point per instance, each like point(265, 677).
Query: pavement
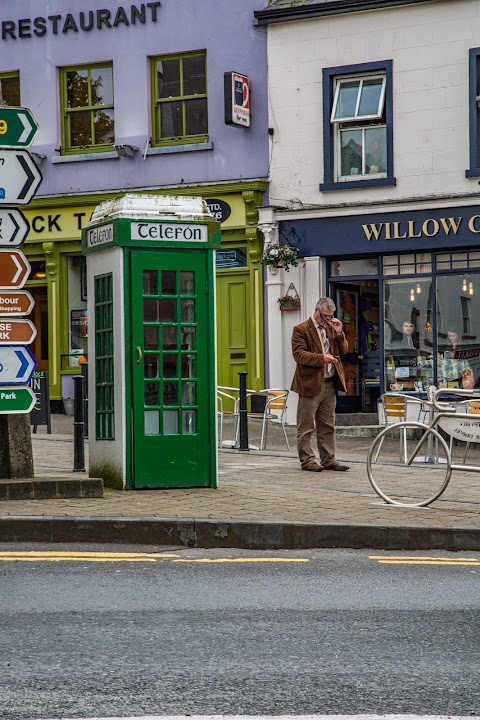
point(263, 501)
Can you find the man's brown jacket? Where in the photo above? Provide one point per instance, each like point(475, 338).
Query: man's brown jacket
point(308, 353)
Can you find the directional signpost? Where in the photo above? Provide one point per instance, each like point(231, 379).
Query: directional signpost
point(19, 177)
point(16, 304)
point(17, 365)
point(16, 400)
point(13, 227)
point(19, 181)
point(22, 332)
point(14, 269)
point(18, 127)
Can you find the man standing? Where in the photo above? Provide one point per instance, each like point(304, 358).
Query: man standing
point(317, 345)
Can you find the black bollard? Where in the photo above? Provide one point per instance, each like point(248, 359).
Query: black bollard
point(78, 426)
point(84, 367)
point(242, 412)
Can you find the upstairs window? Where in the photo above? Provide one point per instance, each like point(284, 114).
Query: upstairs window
point(359, 99)
point(474, 113)
point(180, 111)
point(358, 134)
point(87, 108)
point(10, 89)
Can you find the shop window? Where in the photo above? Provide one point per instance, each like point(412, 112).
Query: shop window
point(458, 261)
point(179, 103)
point(10, 89)
point(412, 264)
point(350, 268)
point(77, 309)
point(87, 108)
point(458, 331)
point(408, 335)
point(357, 126)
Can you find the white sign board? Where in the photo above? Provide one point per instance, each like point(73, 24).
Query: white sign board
point(181, 232)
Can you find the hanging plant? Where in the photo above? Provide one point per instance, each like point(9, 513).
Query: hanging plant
point(280, 256)
point(290, 301)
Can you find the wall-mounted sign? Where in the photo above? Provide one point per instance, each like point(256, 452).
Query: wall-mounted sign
point(220, 210)
point(84, 21)
point(237, 99)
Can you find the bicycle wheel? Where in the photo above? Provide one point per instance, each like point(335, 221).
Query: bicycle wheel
point(409, 464)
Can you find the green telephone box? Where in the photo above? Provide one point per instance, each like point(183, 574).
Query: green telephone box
point(151, 342)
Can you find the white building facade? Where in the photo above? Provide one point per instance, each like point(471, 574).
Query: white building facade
point(374, 178)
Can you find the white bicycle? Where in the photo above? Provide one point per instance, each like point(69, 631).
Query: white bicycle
point(424, 446)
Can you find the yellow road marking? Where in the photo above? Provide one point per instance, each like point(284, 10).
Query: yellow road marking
point(66, 556)
point(61, 556)
point(420, 560)
point(78, 558)
point(428, 562)
point(244, 560)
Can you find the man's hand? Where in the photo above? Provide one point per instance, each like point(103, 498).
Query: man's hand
point(337, 325)
point(330, 358)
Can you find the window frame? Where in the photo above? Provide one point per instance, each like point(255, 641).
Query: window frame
point(332, 79)
point(65, 112)
point(356, 117)
point(156, 102)
point(474, 113)
point(15, 74)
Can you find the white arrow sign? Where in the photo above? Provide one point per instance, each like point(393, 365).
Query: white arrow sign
point(13, 227)
point(19, 177)
point(17, 365)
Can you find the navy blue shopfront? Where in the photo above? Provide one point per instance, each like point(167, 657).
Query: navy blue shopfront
point(407, 288)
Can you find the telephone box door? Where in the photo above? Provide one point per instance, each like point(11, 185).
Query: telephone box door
point(173, 384)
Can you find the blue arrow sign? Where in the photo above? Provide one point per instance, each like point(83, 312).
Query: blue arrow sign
point(17, 365)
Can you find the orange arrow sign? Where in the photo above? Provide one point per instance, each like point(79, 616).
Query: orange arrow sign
point(14, 269)
point(15, 304)
point(16, 332)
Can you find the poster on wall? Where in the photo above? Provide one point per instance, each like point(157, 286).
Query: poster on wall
point(78, 334)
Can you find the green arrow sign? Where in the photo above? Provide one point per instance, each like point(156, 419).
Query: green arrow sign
point(18, 127)
point(14, 400)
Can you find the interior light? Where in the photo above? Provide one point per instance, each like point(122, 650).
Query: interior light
point(412, 294)
point(470, 288)
point(419, 289)
point(40, 275)
point(464, 286)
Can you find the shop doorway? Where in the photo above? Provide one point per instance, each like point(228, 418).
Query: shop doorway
point(358, 308)
point(233, 351)
point(39, 317)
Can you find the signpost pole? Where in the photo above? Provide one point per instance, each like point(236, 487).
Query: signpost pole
point(19, 182)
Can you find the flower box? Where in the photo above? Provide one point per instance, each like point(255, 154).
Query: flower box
point(290, 301)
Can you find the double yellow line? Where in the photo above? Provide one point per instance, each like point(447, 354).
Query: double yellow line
point(62, 556)
point(421, 560)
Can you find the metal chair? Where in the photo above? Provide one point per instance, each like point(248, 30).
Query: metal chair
point(473, 409)
point(275, 407)
point(223, 398)
point(394, 411)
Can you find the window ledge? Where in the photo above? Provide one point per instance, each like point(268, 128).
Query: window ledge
point(111, 155)
point(166, 149)
point(357, 184)
point(472, 173)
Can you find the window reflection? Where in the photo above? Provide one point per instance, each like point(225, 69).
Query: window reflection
point(458, 330)
point(408, 334)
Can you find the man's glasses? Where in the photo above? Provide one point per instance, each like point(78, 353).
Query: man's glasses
point(328, 318)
